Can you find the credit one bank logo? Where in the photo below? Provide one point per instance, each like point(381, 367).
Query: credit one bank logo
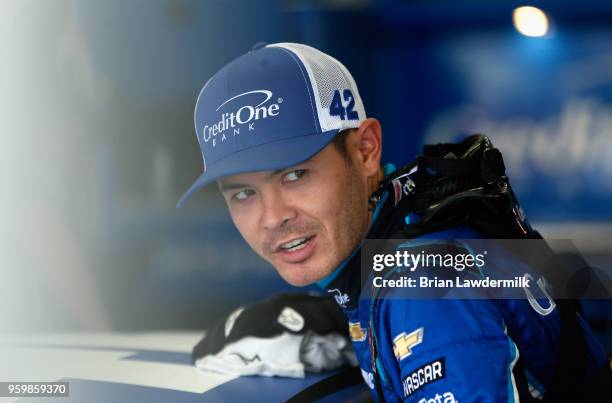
point(240, 112)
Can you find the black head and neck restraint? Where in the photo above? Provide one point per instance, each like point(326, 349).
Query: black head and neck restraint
point(462, 183)
point(466, 184)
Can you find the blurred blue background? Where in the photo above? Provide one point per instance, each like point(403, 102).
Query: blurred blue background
point(97, 108)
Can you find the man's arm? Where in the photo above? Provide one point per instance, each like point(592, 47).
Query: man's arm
point(447, 350)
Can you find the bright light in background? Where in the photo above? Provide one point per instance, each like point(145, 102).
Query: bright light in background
point(530, 21)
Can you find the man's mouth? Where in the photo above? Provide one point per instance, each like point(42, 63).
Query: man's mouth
point(297, 250)
point(296, 244)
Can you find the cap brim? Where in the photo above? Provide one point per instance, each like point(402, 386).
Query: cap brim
point(266, 157)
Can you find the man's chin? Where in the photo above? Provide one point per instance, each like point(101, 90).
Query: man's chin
point(300, 275)
point(299, 282)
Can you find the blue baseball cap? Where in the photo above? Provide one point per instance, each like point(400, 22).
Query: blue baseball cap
point(272, 108)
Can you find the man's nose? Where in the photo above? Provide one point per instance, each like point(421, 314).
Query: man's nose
point(276, 211)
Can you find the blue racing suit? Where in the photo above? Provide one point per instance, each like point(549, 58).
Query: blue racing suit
point(450, 350)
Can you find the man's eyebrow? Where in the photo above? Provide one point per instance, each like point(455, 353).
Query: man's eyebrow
point(229, 186)
point(278, 171)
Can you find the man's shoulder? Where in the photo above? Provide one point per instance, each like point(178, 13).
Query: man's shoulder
point(436, 303)
point(442, 325)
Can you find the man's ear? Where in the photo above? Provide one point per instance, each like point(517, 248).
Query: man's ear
point(369, 144)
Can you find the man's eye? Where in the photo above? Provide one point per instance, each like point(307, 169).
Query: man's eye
point(294, 175)
point(243, 194)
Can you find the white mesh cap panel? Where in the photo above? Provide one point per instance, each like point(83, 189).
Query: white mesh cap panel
point(327, 75)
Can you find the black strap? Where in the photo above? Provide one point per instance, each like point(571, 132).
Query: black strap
point(569, 383)
point(571, 361)
point(329, 385)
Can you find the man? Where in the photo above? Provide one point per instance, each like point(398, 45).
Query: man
point(284, 133)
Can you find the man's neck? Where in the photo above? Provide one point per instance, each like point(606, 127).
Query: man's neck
point(373, 185)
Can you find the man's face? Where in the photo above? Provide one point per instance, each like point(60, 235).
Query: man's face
point(304, 220)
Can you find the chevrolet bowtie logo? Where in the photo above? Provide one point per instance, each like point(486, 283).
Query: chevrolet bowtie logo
point(403, 343)
point(356, 332)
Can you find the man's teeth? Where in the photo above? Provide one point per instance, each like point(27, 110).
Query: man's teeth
point(296, 244)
